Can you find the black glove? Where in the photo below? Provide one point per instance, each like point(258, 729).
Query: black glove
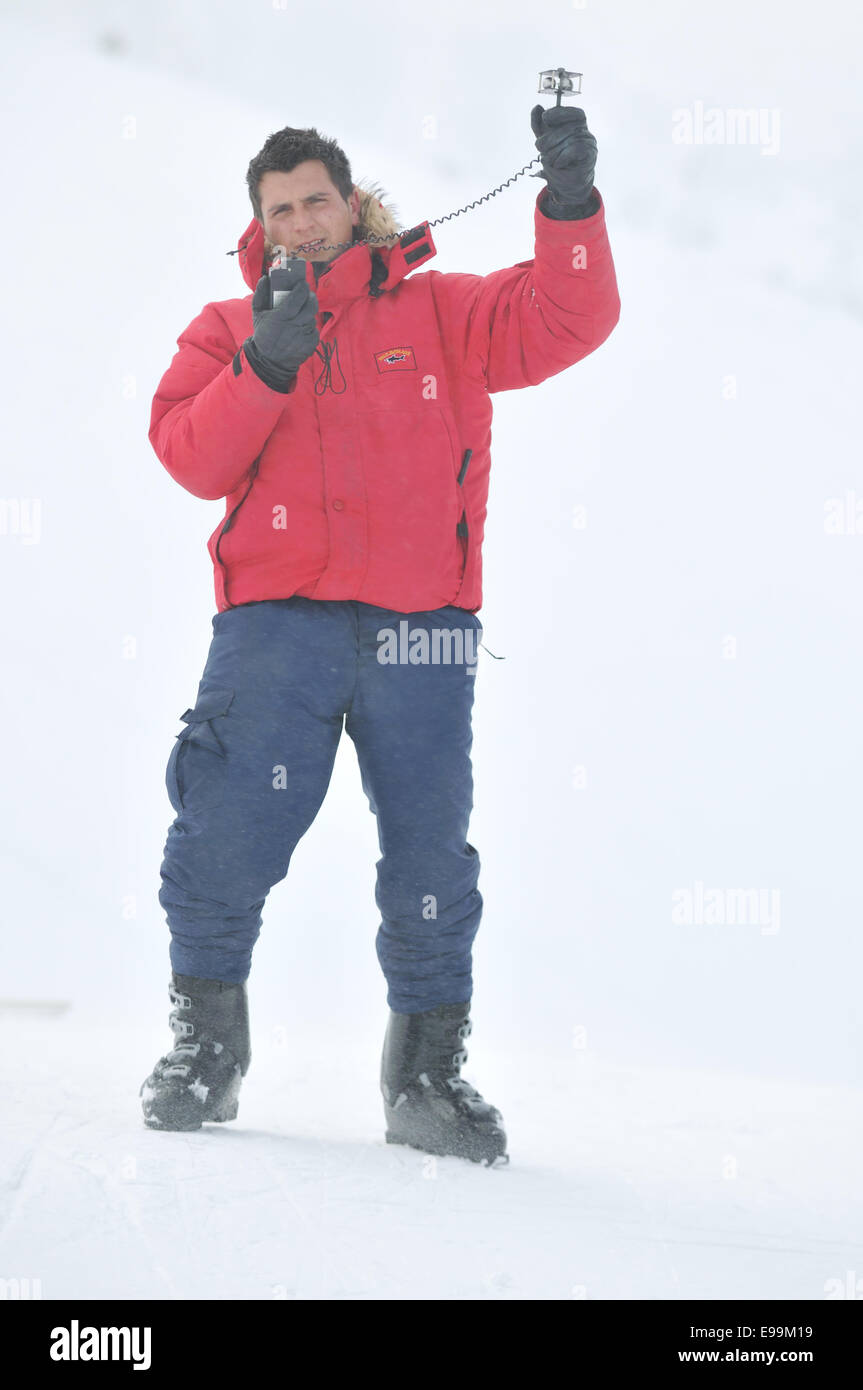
point(284, 337)
point(568, 153)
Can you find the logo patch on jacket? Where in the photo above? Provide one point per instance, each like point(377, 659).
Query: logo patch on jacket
point(396, 359)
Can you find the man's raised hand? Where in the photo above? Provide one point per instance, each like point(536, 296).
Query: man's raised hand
point(568, 152)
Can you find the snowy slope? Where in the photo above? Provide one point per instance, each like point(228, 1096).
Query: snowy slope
point(704, 522)
point(623, 1183)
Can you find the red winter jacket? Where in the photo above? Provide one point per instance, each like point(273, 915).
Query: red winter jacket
point(369, 480)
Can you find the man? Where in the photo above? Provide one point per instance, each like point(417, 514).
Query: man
point(348, 426)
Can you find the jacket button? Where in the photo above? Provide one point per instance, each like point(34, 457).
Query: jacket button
point(338, 505)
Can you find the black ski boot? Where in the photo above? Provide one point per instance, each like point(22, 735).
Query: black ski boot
point(200, 1077)
point(427, 1104)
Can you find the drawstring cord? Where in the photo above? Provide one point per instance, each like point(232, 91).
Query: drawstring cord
point(328, 351)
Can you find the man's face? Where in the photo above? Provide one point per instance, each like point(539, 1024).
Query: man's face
point(304, 207)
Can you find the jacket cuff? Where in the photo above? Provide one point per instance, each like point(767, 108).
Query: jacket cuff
point(551, 232)
point(284, 382)
point(568, 212)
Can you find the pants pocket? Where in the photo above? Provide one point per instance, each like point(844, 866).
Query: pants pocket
point(197, 767)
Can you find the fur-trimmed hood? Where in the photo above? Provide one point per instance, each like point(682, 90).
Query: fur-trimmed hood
point(377, 218)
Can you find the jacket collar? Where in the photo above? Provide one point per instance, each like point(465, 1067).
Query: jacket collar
point(350, 274)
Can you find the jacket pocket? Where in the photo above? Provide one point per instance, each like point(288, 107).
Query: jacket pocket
point(195, 775)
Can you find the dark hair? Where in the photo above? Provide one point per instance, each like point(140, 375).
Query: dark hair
point(285, 149)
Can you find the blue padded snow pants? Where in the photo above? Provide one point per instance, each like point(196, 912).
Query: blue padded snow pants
point(249, 772)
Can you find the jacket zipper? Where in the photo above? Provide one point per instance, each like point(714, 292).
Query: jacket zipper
point(461, 529)
point(228, 523)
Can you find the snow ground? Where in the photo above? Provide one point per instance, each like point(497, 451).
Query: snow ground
point(623, 1183)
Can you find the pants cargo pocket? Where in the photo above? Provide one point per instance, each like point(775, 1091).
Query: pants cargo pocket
point(195, 775)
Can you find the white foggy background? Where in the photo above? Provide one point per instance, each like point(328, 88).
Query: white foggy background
point(705, 518)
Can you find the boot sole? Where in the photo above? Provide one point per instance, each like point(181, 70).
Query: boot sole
point(153, 1122)
point(496, 1161)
